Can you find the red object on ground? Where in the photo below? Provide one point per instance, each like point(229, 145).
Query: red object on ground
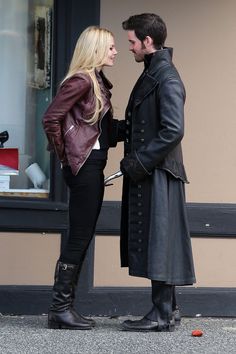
point(197, 333)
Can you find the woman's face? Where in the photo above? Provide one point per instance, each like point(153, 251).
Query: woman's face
point(109, 60)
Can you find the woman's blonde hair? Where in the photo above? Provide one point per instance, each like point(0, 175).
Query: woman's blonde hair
point(90, 53)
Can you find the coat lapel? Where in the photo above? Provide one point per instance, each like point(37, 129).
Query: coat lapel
point(147, 85)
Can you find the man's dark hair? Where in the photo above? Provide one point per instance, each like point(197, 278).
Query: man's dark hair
point(147, 24)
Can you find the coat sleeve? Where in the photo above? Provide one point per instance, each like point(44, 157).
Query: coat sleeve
point(71, 91)
point(117, 132)
point(149, 155)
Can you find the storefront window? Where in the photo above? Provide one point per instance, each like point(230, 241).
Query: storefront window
point(25, 92)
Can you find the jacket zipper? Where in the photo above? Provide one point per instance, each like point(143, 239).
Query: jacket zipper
point(68, 130)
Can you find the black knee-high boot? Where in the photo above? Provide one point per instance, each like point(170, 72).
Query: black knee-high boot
point(159, 319)
point(61, 314)
point(75, 284)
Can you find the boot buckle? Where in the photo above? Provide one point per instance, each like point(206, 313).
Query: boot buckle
point(64, 266)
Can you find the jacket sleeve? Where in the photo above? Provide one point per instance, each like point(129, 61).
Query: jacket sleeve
point(71, 91)
point(117, 132)
point(149, 155)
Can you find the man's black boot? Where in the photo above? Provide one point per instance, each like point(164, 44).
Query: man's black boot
point(176, 316)
point(175, 309)
point(159, 320)
point(61, 314)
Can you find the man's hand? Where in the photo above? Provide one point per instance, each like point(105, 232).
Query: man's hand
point(131, 167)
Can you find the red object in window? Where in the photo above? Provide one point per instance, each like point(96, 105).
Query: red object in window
point(9, 161)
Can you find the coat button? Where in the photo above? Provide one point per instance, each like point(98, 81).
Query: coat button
point(127, 122)
point(127, 140)
point(139, 186)
point(139, 204)
point(139, 195)
point(127, 131)
point(140, 240)
point(142, 140)
point(143, 121)
point(142, 131)
point(140, 222)
point(139, 249)
point(129, 114)
point(140, 213)
point(140, 231)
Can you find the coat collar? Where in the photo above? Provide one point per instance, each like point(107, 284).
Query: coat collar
point(155, 61)
point(153, 64)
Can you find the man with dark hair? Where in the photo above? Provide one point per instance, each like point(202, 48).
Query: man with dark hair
point(155, 240)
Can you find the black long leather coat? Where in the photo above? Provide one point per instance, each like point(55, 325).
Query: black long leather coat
point(154, 130)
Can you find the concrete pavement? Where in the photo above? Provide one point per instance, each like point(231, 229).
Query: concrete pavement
point(29, 334)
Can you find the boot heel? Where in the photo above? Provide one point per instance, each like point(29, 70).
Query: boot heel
point(54, 325)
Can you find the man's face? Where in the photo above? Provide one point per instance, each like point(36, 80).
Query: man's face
point(137, 47)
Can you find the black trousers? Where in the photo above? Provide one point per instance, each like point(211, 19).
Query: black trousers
point(85, 202)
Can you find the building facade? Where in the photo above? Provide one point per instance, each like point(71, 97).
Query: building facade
point(37, 38)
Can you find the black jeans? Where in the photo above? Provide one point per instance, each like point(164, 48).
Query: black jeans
point(86, 196)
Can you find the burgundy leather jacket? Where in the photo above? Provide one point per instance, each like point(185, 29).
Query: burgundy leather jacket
point(65, 120)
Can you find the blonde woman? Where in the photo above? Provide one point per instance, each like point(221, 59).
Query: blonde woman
point(80, 128)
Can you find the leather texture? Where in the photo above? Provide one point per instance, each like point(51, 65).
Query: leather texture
point(160, 318)
point(146, 325)
point(61, 314)
point(156, 106)
point(64, 122)
point(155, 239)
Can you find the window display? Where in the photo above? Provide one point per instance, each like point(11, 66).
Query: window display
point(25, 92)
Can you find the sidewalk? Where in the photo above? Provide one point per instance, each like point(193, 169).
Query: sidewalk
point(29, 334)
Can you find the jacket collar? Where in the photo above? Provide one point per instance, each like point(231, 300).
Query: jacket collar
point(101, 77)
